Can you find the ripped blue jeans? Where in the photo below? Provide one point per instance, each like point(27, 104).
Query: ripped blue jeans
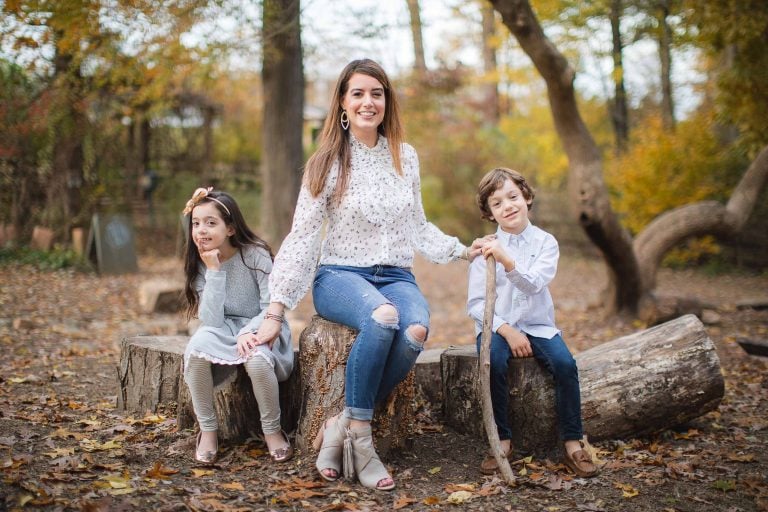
point(383, 352)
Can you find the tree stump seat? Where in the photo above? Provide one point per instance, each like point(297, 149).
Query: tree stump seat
point(150, 376)
point(635, 385)
point(325, 348)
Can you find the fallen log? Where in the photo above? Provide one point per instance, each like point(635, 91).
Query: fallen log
point(150, 377)
point(635, 385)
point(325, 347)
point(754, 346)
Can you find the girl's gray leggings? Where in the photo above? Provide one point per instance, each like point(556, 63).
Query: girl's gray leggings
point(199, 378)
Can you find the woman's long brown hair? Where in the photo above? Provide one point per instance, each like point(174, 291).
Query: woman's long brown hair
point(334, 141)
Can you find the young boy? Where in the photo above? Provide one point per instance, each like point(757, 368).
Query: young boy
point(524, 317)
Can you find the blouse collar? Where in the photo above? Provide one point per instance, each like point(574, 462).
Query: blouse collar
point(380, 147)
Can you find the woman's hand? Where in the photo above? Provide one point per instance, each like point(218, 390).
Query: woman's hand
point(477, 246)
point(270, 328)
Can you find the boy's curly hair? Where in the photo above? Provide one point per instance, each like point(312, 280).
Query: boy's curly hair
point(493, 181)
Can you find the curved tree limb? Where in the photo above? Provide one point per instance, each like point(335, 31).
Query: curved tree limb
point(485, 372)
point(697, 219)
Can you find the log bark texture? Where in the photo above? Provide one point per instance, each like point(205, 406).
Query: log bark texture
point(635, 385)
point(149, 372)
point(325, 347)
point(150, 376)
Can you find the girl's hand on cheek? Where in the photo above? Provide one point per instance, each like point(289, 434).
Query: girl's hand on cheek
point(211, 259)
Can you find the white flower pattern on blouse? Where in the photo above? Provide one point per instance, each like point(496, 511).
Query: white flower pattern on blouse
point(380, 221)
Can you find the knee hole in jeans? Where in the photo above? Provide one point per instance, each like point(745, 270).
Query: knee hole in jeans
point(418, 333)
point(386, 315)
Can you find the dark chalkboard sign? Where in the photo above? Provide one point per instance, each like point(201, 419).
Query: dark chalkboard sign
point(111, 244)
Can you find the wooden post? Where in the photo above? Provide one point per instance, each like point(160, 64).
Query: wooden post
point(485, 372)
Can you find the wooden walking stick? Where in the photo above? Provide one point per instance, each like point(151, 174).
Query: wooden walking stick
point(485, 372)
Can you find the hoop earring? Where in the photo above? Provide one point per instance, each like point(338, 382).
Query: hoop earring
point(344, 120)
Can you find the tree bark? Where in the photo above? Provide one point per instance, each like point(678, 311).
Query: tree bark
point(665, 57)
point(635, 385)
point(419, 62)
point(283, 82)
point(63, 201)
point(325, 348)
point(490, 65)
point(619, 110)
point(149, 372)
point(589, 195)
point(150, 377)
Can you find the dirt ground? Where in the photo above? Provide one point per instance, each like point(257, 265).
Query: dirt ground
point(64, 446)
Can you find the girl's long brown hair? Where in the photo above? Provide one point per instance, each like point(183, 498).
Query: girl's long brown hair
point(334, 141)
point(243, 236)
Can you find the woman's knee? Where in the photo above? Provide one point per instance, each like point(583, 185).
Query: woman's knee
point(386, 315)
point(417, 333)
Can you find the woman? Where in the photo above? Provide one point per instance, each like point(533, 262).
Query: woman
point(363, 181)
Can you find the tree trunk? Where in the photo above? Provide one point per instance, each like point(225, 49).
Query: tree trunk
point(665, 57)
point(325, 348)
point(150, 377)
point(619, 111)
point(63, 202)
point(283, 82)
point(209, 115)
point(419, 62)
point(149, 372)
point(589, 195)
point(490, 67)
point(632, 386)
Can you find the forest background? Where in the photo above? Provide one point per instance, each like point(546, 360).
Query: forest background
point(128, 106)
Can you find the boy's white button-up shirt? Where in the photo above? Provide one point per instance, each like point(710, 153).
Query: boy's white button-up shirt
point(523, 300)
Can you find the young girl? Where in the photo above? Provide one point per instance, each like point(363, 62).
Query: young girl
point(227, 268)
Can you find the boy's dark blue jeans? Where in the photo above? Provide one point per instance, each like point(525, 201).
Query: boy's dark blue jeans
point(557, 359)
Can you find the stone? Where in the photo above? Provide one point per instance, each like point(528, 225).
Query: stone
point(161, 295)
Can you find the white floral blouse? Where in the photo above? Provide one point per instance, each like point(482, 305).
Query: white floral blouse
point(379, 221)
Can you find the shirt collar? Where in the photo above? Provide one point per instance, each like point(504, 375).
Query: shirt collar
point(380, 147)
point(511, 239)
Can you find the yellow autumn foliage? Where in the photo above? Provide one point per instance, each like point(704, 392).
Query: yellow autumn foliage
point(663, 170)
